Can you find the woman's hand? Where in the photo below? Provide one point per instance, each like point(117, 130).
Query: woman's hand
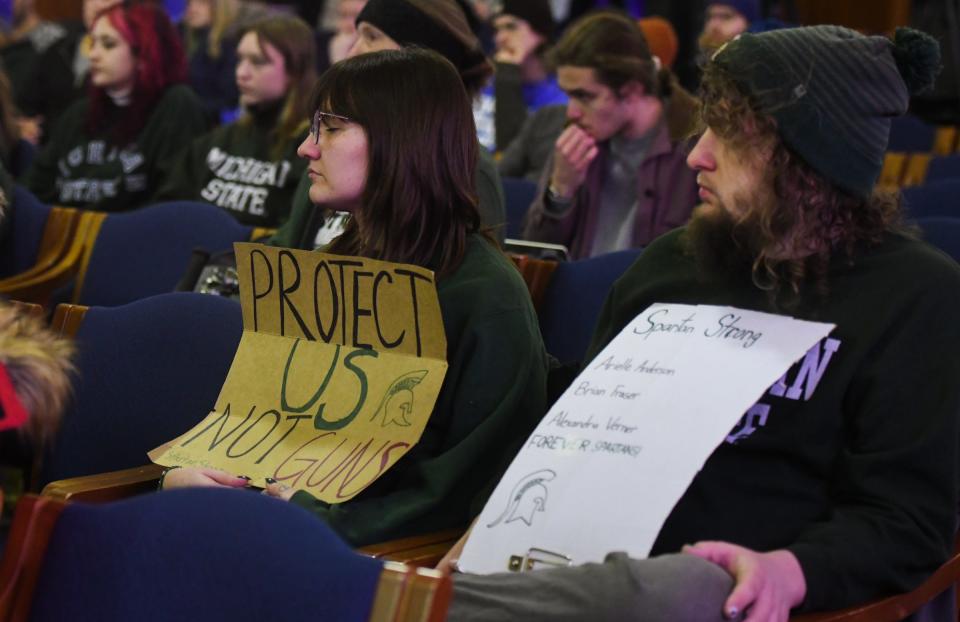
point(277, 490)
point(768, 585)
point(192, 477)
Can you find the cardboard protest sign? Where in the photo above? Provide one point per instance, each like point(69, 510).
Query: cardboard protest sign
point(607, 464)
point(337, 372)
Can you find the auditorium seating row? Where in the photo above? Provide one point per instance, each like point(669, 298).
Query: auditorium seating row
point(131, 355)
point(58, 254)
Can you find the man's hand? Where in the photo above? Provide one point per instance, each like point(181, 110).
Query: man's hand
point(574, 151)
point(192, 477)
point(768, 585)
point(520, 46)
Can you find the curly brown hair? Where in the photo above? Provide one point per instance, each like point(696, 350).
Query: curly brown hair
point(807, 220)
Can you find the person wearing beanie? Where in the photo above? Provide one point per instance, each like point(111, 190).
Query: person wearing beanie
point(438, 25)
point(523, 83)
point(617, 177)
point(839, 485)
point(724, 21)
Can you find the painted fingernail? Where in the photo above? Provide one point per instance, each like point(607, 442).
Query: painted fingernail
point(732, 612)
point(270, 480)
point(243, 477)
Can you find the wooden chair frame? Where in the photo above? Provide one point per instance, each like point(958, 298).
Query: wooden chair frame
point(65, 251)
point(39, 285)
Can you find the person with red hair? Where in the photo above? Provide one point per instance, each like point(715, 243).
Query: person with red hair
point(109, 150)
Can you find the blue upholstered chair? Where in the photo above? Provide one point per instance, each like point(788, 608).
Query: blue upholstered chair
point(573, 301)
point(935, 199)
point(943, 167)
point(213, 555)
point(28, 221)
point(519, 194)
point(911, 134)
point(944, 233)
point(146, 373)
point(146, 252)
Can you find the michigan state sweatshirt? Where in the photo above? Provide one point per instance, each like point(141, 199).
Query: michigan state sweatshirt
point(78, 168)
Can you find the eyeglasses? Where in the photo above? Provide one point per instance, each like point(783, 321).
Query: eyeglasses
point(320, 117)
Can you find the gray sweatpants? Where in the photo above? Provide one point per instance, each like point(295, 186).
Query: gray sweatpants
point(672, 587)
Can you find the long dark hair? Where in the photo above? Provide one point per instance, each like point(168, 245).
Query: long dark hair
point(419, 203)
point(160, 63)
point(293, 38)
point(807, 220)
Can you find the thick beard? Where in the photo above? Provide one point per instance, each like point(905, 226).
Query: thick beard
point(721, 246)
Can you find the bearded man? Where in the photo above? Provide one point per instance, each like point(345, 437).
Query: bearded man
point(840, 485)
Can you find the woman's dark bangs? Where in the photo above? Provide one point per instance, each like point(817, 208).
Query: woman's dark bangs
point(332, 93)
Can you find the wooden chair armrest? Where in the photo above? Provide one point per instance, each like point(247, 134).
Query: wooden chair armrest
point(536, 274)
point(33, 524)
point(893, 608)
point(407, 593)
point(424, 557)
point(39, 286)
point(383, 549)
point(67, 319)
point(58, 236)
point(104, 487)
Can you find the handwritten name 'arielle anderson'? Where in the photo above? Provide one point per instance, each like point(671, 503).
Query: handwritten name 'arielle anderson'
point(728, 327)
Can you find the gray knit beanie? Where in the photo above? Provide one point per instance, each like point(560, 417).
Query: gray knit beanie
point(833, 92)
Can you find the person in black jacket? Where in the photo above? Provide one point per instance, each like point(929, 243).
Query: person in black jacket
point(250, 167)
point(108, 151)
point(840, 484)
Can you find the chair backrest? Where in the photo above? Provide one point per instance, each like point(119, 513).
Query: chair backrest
point(519, 194)
point(200, 555)
point(909, 133)
point(944, 167)
point(934, 199)
point(28, 220)
point(573, 301)
point(147, 372)
point(146, 252)
point(944, 233)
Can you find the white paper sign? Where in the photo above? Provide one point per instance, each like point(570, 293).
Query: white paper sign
point(605, 467)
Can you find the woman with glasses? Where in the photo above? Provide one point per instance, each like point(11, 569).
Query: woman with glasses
point(107, 151)
point(250, 167)
point(438, 25)
point(393, 143)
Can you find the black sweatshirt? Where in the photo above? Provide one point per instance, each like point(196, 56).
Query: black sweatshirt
point(851, 461)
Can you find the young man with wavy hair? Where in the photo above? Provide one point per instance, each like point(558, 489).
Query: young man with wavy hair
point(840, 485)
point(616, 178)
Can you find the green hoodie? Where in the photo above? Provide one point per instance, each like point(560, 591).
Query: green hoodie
point(80, 169)
point(233, 168)
point(493, 396)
